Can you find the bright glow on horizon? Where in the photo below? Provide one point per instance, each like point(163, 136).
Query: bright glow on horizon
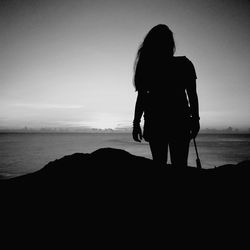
point(103, 121)
point(65, 63)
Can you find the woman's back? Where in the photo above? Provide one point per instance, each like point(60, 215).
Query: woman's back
point(166, 83)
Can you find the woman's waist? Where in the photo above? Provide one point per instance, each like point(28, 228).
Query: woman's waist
point(180, 111)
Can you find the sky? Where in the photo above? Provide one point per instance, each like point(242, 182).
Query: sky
point(70, 63)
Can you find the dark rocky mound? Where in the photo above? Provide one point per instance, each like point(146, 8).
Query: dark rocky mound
point(112, 195)
point(116, 170)
point(113, 187)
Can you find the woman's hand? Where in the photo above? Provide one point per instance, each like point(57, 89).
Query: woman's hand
point(195, 128)
point(137, 133)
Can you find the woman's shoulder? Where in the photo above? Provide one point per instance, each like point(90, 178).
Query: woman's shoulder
point(186, 65)
point(182, 59)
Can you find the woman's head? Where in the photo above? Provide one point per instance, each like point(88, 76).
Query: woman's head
point(157, 45)
point(161, 38)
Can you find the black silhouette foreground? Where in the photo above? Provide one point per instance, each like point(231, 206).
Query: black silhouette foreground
point(111, 192)
point(115, 171)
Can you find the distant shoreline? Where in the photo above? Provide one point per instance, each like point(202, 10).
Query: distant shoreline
point(112, 132)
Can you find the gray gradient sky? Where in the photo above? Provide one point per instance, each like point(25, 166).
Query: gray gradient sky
point(70, 63)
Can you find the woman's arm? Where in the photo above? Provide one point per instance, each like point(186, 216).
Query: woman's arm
point(194, 107)
point(193, 99)
point(139, 109)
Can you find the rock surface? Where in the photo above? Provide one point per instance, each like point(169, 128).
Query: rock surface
point(111, 194)
point(119, 170)
point(112, 186)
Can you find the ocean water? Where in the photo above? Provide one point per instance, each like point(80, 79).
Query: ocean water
point(22, 153)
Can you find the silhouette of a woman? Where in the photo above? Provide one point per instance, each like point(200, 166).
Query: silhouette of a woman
point(167, 96)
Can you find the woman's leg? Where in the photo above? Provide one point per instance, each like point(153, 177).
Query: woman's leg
point(159, 151)
point(179, 148)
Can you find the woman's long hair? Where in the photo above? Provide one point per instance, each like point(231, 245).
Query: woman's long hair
point(157, 45)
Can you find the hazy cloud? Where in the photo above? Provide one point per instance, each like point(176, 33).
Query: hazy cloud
point(47, 106)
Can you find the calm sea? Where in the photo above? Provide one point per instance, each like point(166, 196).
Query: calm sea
point(22, 153)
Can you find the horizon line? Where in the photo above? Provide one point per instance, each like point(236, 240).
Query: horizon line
point(228, 129)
